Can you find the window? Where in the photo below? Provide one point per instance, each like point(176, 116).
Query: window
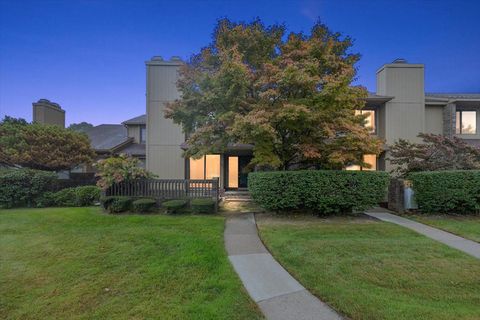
point(466, 122)
point(369, 120)
point(207, 167)
point(371, 159)
point(143, 134)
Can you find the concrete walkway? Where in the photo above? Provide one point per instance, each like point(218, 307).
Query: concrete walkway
point(276, 292)
point(470, 247)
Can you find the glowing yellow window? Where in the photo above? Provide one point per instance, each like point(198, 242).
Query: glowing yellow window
point(207, 167)
point(371, 159)
point(369, 120)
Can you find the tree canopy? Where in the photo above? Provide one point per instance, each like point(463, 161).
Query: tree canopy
point(290, 96)
point(80, 127)
point(40, 146)
point(437, 152)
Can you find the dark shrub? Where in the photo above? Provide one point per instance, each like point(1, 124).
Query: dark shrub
point(47, 199)
point(324, 191)
point(65, 198)
point(22, 187)
point(143, 205)
point(174, 206)
point(87, 195)
point(202, 205)
point(120, 204)
point(447, 191)
point(105, 202)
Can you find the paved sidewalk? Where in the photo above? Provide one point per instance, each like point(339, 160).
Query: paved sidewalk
point(468, 246)
point(276, 292)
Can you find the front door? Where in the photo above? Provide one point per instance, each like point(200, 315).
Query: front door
point(237, 176)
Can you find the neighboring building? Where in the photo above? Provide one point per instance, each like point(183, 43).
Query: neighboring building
point(110, 139)
point(400, 109)
point(47, 112)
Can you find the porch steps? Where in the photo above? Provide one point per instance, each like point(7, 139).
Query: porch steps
point(237, 196)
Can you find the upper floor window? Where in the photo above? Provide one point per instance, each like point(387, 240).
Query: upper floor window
point(369, 120)
point(466, 122)
point(143, 134)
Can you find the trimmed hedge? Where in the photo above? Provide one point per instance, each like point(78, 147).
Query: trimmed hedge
point(105, 202)
point(77, 197)
point(87, 195)
point(144, 205)
point(65, 198)
point(120, 204)
point(447, 191)
point(323, 191)
point(174, 206)
point(24, 187)
point(202, 205)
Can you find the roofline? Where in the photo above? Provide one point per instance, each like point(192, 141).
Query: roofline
point(401, 65)
point(158, 61)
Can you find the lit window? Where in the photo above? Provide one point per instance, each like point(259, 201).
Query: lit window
point(466, 122)
point(207, 167)
point(369, 120)
point(370, 159)
point(143, 134)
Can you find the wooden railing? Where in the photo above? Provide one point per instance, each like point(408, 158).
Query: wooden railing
point(162, 189)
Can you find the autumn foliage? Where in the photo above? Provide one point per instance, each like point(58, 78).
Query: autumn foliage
point(289, 96)
point(43, 147)
point(119, 168)
point(437, 152)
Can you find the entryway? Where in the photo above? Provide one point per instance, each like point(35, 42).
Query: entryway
point(236, 176)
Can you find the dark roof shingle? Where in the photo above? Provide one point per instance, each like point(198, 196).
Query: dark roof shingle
point(142, 119)
point(107, 136)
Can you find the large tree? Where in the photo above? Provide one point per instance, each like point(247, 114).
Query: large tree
point(436, 152)
point(44, 147)
point(290, 96)
point(80, 127)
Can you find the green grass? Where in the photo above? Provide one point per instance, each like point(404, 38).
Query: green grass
point(464, 226)
point(78, 263)
point(374, 270)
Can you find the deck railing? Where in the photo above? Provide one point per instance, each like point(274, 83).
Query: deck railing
point(163, 189)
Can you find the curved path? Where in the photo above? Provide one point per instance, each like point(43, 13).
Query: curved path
point(468, 246)
point(276, 292)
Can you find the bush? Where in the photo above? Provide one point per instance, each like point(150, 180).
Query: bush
point(202, 205)
point(447, 191)
point(23, 187)
point(143, 205)
point(105, 202)
point(174, 206)
point(120, 204)
point(324, 191)
point(65, 198)
point(87, 195)
point(47, 199)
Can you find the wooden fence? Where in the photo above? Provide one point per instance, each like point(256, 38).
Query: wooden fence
point(163, 189)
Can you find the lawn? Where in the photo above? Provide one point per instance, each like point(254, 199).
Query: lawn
point(368, 269)
point(465, 226)
point(78, 263)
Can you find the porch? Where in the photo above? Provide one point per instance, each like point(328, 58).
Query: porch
point(231, 167)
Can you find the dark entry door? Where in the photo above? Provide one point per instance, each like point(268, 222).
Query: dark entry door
point(237, 174)
point(243, 161)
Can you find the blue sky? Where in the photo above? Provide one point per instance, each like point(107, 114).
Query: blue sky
point(89, 55)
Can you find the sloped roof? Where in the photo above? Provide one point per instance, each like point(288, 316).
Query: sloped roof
point(142, 119)
point(453, 95)
point(107, 136)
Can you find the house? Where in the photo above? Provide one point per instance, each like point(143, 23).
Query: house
point(399, 108)
point(129, 137)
